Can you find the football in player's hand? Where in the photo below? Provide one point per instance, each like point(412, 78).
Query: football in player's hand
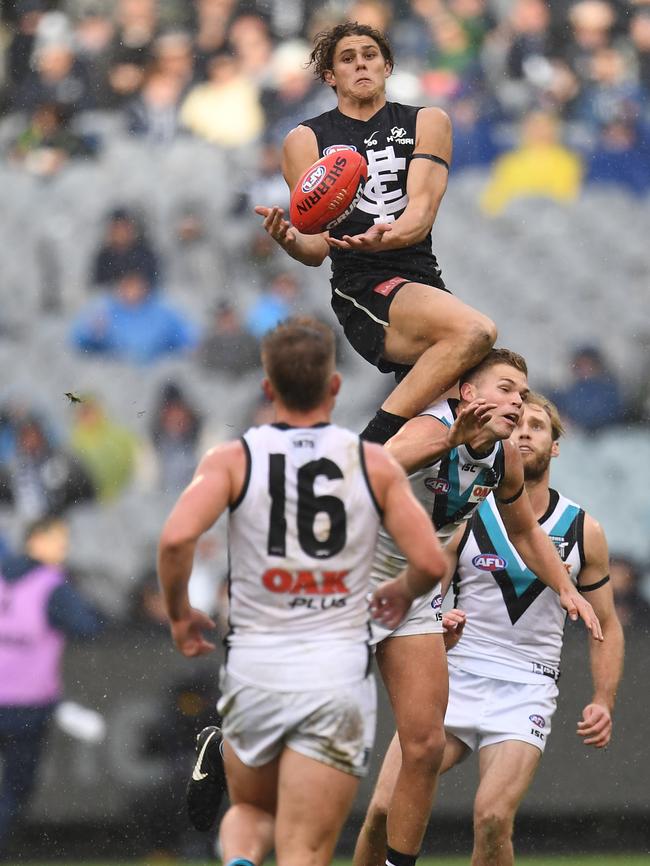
point(328, 191)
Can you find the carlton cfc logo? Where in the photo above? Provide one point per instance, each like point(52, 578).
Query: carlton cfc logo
point(314, 179)
point(489, 562)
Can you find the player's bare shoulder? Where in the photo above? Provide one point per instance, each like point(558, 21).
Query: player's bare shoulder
point(595, 542)
point(226, 459)
point(299, 151)
point(382, 468)
point(433, 124)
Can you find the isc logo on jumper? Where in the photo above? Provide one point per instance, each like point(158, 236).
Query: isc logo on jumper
point(314, 178)
point(437, 485)
point(538, 720)
point(489, 562)
point(334, 148)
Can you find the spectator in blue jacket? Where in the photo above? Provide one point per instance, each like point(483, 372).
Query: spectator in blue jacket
point(133, 324)
point(38, 611)
point(593, 400)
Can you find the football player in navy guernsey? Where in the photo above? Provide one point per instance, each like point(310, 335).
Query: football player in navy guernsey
point(457, 453)
point(387, 289)
point(504, 668)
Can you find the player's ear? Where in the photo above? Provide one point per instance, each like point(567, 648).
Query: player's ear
point(467, 392)
point(267, 389)
point(328, 78)
point(335, 383)
point(555, 448)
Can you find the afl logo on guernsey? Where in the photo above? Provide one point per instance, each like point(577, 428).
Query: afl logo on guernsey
point(538, 720)
point(437, 485)
point(489, 562)
point(436, 602)
point(313, 179)
point(334, 148)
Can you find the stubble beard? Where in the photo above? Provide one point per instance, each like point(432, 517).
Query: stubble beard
point(534, 471)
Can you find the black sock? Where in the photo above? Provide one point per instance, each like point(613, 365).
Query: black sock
point(382, 427)
point(396, 858)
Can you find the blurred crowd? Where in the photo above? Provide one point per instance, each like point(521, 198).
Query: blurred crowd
point(553, 94)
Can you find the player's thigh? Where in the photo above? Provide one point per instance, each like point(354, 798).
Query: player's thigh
point(506, 771)
point(414, 670)
point(256, 786)
point(314, 801)
point(455, 752)
point(421, 315)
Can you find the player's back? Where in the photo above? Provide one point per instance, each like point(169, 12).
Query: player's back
point(301, 538)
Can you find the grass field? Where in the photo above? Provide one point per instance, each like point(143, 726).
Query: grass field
point(568, 860)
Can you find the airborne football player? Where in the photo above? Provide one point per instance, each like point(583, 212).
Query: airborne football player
point(387, 289)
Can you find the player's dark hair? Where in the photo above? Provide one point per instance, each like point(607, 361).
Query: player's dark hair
point(535, 399)
point(298, 357)
point(325, 42)
point(494, 357)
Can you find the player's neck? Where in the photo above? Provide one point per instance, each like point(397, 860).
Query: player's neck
point(538, 494)
point(293, 418)
point(361, 109)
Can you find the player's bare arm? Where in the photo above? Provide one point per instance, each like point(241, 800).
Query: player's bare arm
point(426, 185)
point(215, 485)
point(300, 150)
point(606, 658)
point(424, 439)
point(409, 525)
point(533, 545)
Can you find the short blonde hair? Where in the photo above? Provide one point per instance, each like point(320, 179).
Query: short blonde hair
point(535, 399)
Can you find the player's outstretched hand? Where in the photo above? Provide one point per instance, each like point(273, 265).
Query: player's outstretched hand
point(390, 602)
point(276, 225)
point(187, 633)
point(595, 727)
point(470, 421)
point(578, 607)
point(453, 622)
point(368, 242)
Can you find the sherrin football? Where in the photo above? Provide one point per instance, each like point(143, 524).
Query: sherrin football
point(328, 191)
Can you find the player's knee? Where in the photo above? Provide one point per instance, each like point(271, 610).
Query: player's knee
point(492, 826)
point(424, 752)
point(481, 335)
point(375, 820)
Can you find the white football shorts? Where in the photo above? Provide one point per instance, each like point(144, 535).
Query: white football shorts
point(335, 727)
point(482, 711)
point(424, 617)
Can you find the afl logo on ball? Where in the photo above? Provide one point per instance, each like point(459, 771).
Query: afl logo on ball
point(334, 148)
point(489, 562)
point(313, 179)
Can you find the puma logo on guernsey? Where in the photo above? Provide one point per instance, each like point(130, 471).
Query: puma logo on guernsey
point(279, 580)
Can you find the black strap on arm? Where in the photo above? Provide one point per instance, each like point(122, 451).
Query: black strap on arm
point(592, 586)
point(433, 158)
point(511, 499)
